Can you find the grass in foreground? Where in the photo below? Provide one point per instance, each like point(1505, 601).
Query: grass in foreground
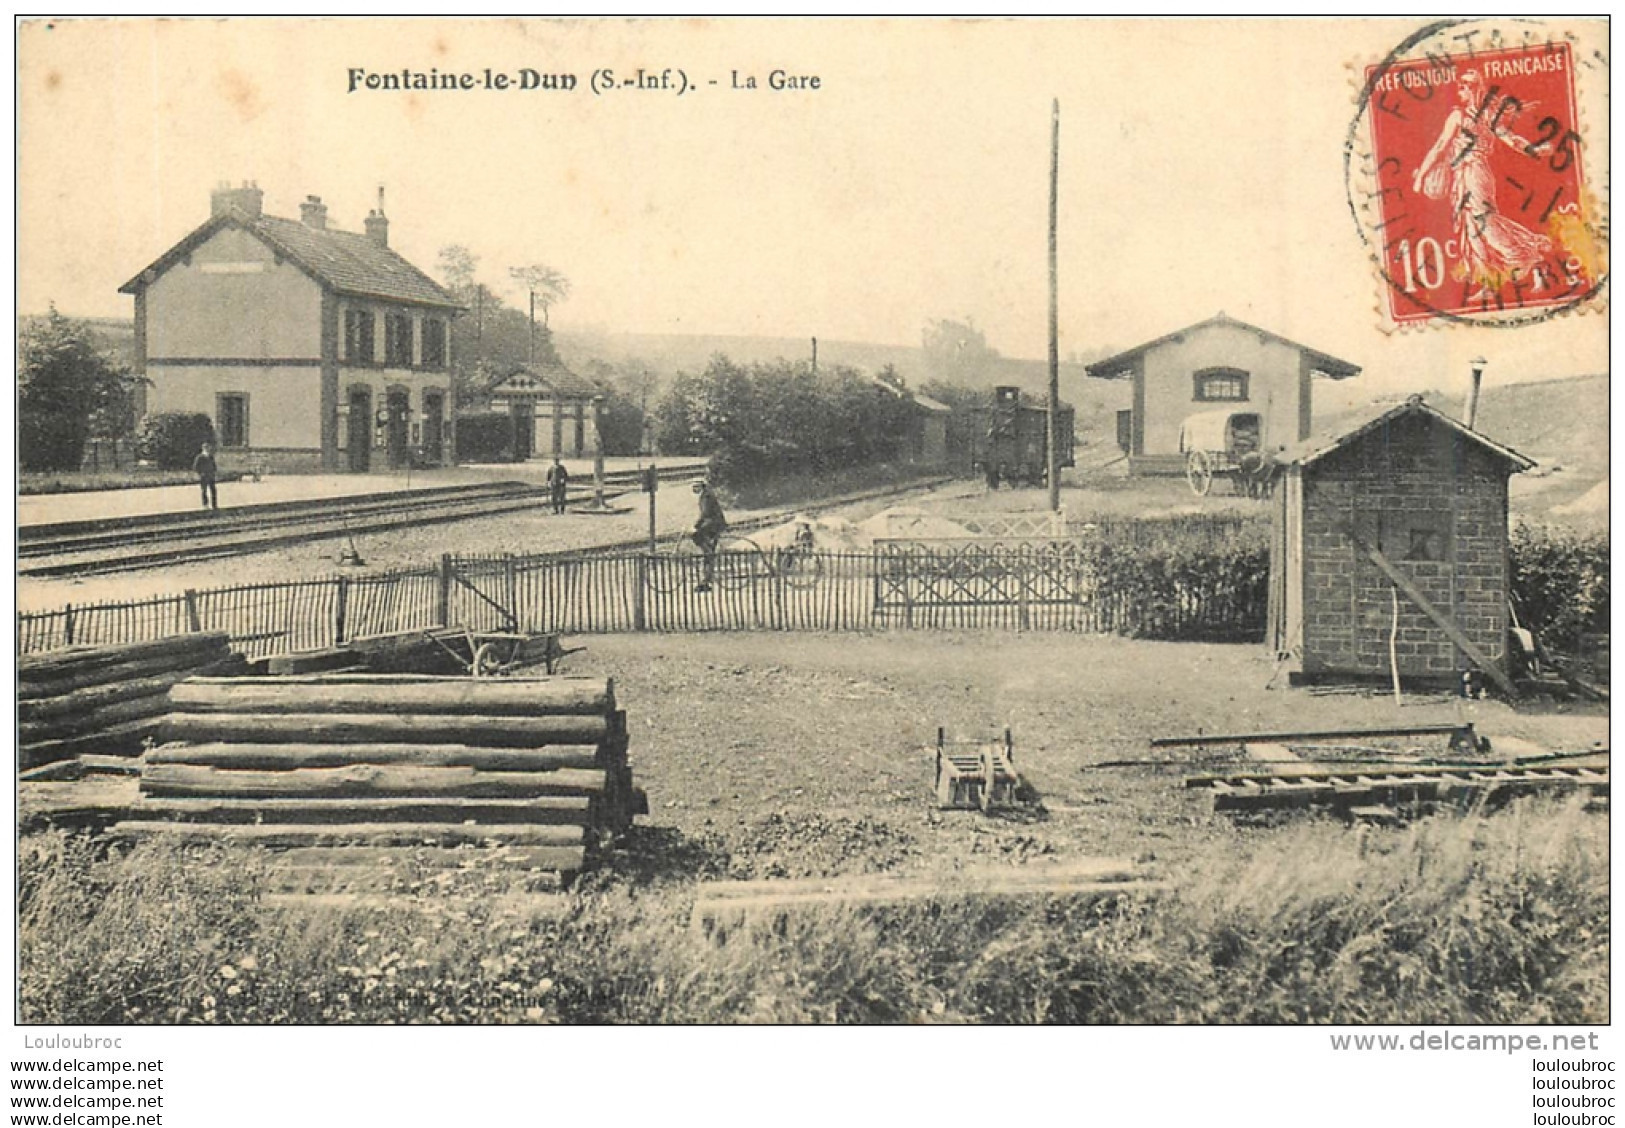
point(1486, 919)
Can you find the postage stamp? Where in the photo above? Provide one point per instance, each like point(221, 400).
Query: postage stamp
point(1477, 205)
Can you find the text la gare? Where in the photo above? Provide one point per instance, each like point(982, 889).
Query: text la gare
point(777, 80)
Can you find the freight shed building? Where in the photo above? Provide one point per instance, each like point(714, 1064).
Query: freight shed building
point(1390, 551)
point(309, 347)
point(1217, 364)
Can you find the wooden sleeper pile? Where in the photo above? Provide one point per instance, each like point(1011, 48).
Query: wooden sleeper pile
point(343, 769)
point(106, 699)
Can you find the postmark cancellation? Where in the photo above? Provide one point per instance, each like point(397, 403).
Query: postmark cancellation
point(1470, 178)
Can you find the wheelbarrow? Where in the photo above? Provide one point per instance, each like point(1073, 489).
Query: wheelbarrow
point(487, 654)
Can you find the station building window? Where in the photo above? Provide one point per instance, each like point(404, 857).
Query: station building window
point(358, 336)
point(1221, 385)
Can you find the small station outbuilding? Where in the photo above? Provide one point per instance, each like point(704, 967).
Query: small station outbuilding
point(1390, 551)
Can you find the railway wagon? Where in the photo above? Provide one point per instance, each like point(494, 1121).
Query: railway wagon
point(1011, 435)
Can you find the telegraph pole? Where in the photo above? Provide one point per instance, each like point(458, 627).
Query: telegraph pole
point(598, 452)
point(1053, 420)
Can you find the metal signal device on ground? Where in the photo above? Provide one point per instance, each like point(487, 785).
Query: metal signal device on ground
point(976, 775)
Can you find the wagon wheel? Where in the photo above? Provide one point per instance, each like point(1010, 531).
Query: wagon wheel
point(1199, 472)
point(487, 661)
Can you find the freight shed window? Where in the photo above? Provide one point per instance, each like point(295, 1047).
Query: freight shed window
point(398, 340)
point(358, 336)
point(1221, 385)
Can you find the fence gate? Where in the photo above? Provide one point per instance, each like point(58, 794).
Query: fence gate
point(481, 592)
point(1038, 572)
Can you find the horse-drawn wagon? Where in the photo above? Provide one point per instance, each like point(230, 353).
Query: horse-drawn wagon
point(1225, 444)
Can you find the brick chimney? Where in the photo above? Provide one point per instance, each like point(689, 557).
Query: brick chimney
point(377, 223)
point(246, 201)
point(314, 213)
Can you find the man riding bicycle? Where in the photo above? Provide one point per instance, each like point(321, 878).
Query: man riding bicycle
point(708, 530)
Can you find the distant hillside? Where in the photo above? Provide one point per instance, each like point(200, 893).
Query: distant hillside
point(1561, 424)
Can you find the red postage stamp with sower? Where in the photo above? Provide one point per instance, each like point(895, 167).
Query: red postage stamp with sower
point(1480, 175)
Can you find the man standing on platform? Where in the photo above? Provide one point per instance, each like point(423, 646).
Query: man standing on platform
point(206, 471)
point(558, 481)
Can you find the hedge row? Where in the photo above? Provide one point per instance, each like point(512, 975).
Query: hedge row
point(1182, 585)
point(1560, 583)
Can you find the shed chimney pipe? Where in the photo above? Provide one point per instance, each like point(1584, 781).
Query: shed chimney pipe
point(1478, 364)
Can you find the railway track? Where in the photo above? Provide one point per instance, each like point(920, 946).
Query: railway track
point(1356, 789)
point(747, 525)
point(125, 544)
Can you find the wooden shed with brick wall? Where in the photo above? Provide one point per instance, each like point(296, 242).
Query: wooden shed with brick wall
point(1390, 551)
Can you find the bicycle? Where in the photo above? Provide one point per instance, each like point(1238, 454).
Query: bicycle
point(798, 563)
point(739, 562)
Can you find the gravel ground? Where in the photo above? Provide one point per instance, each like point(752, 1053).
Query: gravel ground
point(809, 755)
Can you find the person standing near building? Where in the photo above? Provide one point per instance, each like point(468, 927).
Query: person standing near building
point(206, 469)
point(708, 530)
point(558, 482)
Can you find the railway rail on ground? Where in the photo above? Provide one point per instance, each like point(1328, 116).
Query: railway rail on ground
point(151, 540)
point(1360, 788)
point(155, 540)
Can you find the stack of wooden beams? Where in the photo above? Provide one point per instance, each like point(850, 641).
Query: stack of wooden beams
point(106, 699)
point(346, 768)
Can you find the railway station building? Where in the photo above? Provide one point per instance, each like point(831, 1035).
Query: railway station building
point(1262, 379)
point(308, 346)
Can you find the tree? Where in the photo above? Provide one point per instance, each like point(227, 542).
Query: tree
point(958, 352)
point(629, 389)
point(488, 338)
point(457, 266)
point(956, 396)
point(67, 389)
point(781, 419)
point(546, 286)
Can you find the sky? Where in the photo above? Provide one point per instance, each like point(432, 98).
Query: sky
point(1201, 169)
